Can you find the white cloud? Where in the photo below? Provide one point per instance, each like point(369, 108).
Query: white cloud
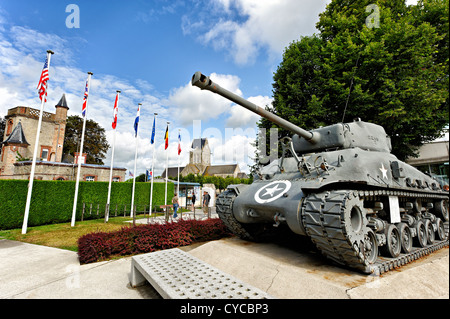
point(254, 25)
point(192, 103)
point(241, 117)
point(237, 148)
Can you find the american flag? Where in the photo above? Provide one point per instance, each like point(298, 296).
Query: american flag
point(42, 85)
point(86, 93)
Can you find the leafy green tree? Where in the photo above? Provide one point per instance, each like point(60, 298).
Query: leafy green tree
point(393, 72)
point(95, 144)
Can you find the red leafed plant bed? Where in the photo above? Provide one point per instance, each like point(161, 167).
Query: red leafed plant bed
point(147, 238)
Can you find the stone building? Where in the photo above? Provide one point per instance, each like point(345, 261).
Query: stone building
point(19, 142)
point(200, 163)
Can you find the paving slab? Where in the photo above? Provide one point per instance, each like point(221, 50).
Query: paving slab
point(30, 271)
point(290, 273)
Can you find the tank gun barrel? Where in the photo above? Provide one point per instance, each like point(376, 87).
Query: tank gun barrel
point(205, 83)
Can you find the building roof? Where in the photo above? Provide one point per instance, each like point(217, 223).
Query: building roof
point(173, 172)
point(17, 136)
point(62, 102)
point(199, 143)
point(220, 170)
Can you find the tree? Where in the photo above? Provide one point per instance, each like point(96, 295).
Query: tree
point(95, 144)
point(394, 74)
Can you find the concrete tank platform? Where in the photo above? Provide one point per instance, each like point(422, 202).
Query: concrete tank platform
point(302, 273)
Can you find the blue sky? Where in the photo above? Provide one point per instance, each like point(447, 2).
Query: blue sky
point(150, 50)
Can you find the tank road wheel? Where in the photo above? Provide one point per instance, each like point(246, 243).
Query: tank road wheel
point(370, 247)
point(406, 237)
point(393, 242)
point(430, 231)
point(421, 238)
point(441, 235)
point(442, 209)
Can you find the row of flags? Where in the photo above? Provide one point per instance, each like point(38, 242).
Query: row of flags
point(42, 92)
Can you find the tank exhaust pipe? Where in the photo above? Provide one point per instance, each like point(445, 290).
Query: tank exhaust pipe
point(205, 83)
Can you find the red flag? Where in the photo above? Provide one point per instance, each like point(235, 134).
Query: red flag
point(116, 110)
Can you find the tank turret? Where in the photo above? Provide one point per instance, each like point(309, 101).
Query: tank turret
point(341, 187)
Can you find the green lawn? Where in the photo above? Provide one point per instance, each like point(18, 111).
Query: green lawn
point(63, 235)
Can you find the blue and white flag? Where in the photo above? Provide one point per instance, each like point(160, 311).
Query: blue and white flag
point(136, 121)
point(153, 131)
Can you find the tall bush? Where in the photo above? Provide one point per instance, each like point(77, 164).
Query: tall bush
point(52, 201)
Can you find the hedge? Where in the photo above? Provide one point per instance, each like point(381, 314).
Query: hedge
point(52, 201)
point(140, 239)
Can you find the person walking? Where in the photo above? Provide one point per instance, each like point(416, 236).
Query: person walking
point(175, 205)
point(206, 199)
point(193, 201)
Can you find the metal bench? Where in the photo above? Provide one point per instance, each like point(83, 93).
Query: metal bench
point(179, 275)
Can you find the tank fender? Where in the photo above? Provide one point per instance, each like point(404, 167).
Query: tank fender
point(238, 188)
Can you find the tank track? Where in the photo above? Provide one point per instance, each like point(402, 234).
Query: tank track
point(323, 220)
point(252, 232)
point(224, 208)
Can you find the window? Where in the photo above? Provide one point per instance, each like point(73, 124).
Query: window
point(44, 154)
point(9, 127)
point(116, 179)
point(90, 178)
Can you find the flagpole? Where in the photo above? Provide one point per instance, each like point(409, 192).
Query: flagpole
point(33, 165)
point(135, 159)
point(167, 169)
point(153, 161)
point(112, 164)
point(80, 154)
point(178, 184)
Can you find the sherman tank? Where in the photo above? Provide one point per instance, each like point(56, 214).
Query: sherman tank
point(341, 186)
